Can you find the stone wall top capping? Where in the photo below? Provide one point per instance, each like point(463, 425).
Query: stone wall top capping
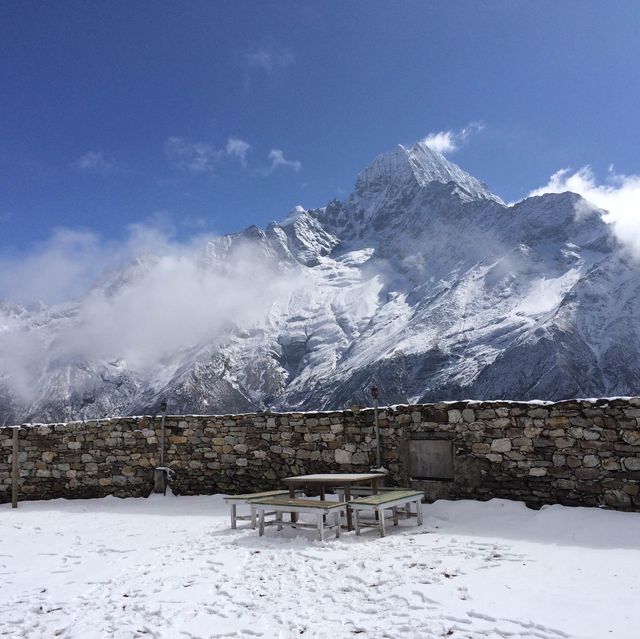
point(389, 409)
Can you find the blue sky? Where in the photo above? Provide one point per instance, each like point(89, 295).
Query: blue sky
point(215, 115)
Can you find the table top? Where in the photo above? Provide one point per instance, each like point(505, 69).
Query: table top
point(337, 479)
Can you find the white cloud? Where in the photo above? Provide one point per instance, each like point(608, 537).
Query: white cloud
point(277, 159)
point(269, 59)
point(94, 162)
point(449, 141)
point(197, 157)
point(63, 267)
point(202, 157)
point(618, 194)
point(56, 269)
point(238, 148)
point(155, 297)
point(443, 141)
point(210, 298)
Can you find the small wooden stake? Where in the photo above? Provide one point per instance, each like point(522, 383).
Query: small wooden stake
point(14, 469)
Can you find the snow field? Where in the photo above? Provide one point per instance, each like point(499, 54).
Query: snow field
point(170, 567)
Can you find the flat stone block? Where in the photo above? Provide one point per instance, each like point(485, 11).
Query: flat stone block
point(501, 445)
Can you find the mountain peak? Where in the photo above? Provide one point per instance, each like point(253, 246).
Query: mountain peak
point(422, 164)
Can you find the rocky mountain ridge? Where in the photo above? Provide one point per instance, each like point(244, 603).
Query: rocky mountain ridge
point(421, 281)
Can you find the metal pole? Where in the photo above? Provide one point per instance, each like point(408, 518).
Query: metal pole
point(374, 394)
point(14, 468)
point(160, 472)
point(163, 408)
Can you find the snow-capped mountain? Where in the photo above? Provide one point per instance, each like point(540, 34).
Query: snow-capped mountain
point(421, 281)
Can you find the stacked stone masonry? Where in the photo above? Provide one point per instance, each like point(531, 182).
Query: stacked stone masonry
point(573, 452)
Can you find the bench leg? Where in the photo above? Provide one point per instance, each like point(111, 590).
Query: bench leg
point(394, 510)
point(233, 516)
point(292, 495)
point(337, 522)
point(380, 512)
point(279, 520)
point(347, 498)
point(253, 517)
point(261, 523)
point(320, 520)
point(419, 511)
point(356, 516)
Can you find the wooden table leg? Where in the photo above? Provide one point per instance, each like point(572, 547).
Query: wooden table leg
point(323, 494)
point(292, 495)
point(374, 488)
point(347, 498)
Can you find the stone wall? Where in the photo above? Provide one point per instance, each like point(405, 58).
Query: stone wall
point(574, 452)
point(581, 453)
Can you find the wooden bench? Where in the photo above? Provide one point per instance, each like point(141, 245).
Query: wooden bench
point(234, 500)
point(364, 491)
point(388, 500)
point(324, 512)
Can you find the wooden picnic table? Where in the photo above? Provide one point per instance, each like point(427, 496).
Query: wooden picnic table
point(322, 481)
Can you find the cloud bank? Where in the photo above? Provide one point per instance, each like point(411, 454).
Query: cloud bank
point(148, 298)
point(66, 265)
point(619, 195)
point(56, 270)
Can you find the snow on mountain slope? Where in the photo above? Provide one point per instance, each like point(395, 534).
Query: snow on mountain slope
point(421, 281)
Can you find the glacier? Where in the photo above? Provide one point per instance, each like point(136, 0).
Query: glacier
point(421, 281)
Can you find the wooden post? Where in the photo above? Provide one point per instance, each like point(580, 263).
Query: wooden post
point(14, 468)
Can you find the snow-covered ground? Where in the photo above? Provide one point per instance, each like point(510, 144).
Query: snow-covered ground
point(171, 567)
